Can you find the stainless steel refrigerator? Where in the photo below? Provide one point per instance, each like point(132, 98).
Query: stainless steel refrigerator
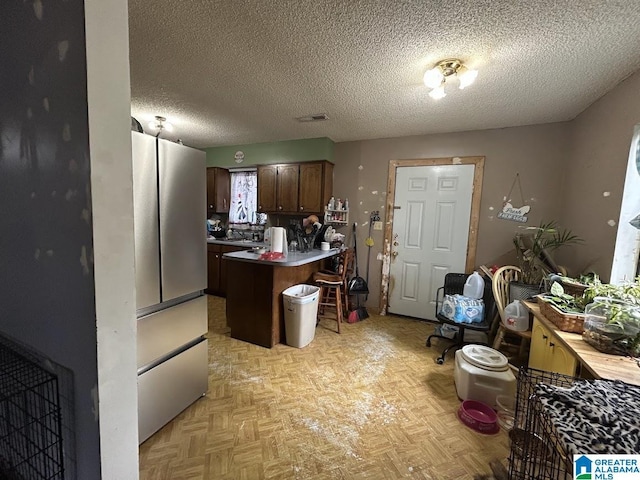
point(169, 185)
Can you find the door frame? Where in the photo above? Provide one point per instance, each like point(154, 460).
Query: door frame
point(476, 195)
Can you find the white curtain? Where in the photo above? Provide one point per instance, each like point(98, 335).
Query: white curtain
point(244, 197)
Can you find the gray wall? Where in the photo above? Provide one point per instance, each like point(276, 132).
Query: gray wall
point(565, 170)
point(46, 275)
point(66, 207)
point(537, 153)
point(600, 139)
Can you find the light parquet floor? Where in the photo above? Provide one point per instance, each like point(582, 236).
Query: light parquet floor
point(369, 403)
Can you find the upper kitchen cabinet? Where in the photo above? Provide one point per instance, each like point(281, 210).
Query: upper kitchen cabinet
point(267, 187)
point(218, 190)
point(294, 188)
point(316, 186)
point(287, 191)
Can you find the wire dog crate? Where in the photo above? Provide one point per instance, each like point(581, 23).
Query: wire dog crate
point(30, 419)
point(536, 453)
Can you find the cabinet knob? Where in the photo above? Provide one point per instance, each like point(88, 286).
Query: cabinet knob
point(210, 206)
point(551, 344)
point(544, 337)
point(280, 207)
point(259, 207)
point(301, 208)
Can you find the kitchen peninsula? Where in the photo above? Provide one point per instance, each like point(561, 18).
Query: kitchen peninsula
point(255, 310)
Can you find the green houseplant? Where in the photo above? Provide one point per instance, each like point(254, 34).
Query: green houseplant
point(533, 248)
point(612, 325)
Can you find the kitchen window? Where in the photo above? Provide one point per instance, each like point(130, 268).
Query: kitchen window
point(244, 196)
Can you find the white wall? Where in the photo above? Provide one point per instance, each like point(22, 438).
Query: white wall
point(112, 204)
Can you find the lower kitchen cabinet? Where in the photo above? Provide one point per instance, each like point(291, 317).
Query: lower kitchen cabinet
point(213, 269)
point(217, 268)
point(548, 353)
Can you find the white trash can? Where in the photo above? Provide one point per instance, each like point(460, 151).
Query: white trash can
point(300, 314)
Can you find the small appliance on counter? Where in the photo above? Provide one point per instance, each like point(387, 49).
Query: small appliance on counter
point(215, 229)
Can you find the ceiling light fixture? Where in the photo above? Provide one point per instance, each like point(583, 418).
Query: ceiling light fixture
point(160, 124)
point(436, 77)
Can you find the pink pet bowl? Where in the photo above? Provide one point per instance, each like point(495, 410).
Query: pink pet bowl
point(478, 416)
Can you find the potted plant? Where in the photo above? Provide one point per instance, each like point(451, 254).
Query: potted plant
point(533, 248)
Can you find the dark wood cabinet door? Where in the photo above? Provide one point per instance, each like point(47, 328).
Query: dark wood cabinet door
point(311, 182)
point(218, 190)
point(267, 184)
point(213, 269)
point(287, 191)
point(211, 191)
point(223, 190)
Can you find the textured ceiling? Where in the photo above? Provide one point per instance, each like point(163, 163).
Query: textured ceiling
point(240, 71)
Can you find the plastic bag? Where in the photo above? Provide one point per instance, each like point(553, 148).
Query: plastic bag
point(516, 317)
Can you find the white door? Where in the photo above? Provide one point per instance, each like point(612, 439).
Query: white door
point(430, 234)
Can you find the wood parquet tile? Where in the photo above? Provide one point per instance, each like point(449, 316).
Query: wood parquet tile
point(370, 403)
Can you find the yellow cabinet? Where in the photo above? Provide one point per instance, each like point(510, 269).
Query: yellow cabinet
point(548, 353)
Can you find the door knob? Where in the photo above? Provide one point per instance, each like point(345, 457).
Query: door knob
point(395, 254)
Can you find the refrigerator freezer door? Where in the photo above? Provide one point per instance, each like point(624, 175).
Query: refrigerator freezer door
point(182, 187)
point(165, 331)
point(166, 390)
point(145, 218)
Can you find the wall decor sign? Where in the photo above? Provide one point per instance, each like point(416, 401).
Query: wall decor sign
point(509, 212)
point(239, 156)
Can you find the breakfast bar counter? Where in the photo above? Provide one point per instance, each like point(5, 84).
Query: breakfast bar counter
point(255, 311)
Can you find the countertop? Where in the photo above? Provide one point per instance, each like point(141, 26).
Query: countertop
point(235, 243)
point(601, 365)
point(293, 259)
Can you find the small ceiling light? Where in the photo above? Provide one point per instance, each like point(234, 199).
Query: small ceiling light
point(436, 77)
point(438, 93)
point(160, 124)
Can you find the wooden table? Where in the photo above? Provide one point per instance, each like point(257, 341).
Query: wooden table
point(600, 365)
point(255, 311)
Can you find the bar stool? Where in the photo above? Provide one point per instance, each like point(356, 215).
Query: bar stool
point(331, 285)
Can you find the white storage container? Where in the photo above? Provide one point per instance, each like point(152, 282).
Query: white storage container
point(300, 314)
point(482, 373)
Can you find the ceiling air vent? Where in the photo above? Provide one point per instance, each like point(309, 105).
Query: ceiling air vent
point(316, 117)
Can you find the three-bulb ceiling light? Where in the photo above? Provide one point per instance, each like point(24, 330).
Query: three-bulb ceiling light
point(436, 77)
